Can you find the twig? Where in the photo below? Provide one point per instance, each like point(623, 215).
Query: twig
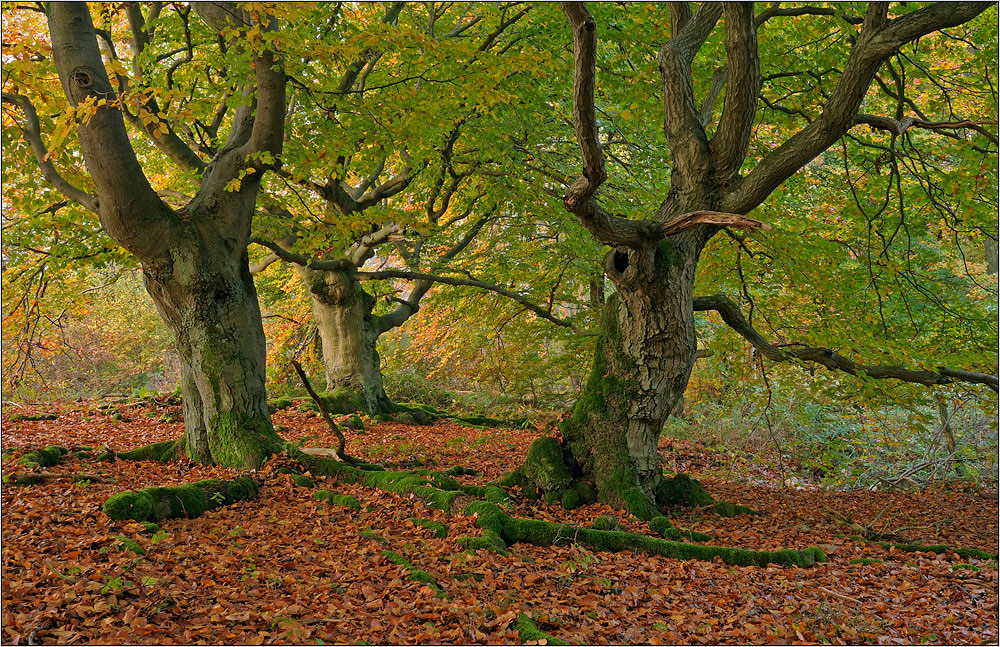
point(840, 595)
point(341, 441)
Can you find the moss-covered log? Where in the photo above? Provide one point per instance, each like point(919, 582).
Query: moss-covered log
point(543, 533)
point(189, 500)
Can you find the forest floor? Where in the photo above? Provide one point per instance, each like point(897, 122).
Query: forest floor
point(285, 568)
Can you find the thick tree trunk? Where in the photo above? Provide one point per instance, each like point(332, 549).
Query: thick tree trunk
point(642, 363)
point(349, 331)
point(207, 297)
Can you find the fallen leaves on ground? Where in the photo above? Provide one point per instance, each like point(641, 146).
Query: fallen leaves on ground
point(284, 568)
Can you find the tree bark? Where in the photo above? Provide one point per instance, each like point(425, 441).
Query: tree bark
point(349, 331)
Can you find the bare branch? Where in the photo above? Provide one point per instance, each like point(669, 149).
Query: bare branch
point(717, 218)
point(732, 316)
point(450, 280)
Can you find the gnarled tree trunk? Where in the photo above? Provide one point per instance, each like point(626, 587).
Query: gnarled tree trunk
point(642, 362)
point(208, 299)
point(349, 331)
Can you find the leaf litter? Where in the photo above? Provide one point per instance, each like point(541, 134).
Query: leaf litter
point(285, 568)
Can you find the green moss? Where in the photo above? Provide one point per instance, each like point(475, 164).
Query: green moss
point(529, 632)
point(38, 416)
point(489, 540)
point(682, 490)
point(938, 549)
point(545, 466)
point(303, 481)
point(127, 543)
point(341, 400)
point(84, 455)
point(605, 522)
point(332, 498)
point(189, 500)
point(28, 480)
point(459, 470)
point(279, 404)
point(286, 470)
point(484, 422)
point(45, 457)
point(865, 561)
point(162, 452)
point(242, 441)
point(661, 526)
point(437, 528)
point(726, 509)
point(368, 534)
point(416, 574)
point(571, 500)
point(150, 527)
point(543, 533)
point(638, 504)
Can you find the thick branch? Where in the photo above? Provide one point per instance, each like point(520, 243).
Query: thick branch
point(130, 210)
point(717, 218)
point(584, 114)
point(305, 261)
point(900, 126)
point(450, 280)
point(879, 39)
point(732, 137)
point(732, 316)
point(33, 135)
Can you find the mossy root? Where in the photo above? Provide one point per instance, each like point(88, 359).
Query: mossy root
point(415, 573)
point(939, 549)
point(161, 452)
point(543, 533)
point(189, 500)
point(45, 457)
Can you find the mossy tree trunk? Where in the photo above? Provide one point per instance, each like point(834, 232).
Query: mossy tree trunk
point(643, 359)
point(207, 297)
point(342, 310)
point(194, 258)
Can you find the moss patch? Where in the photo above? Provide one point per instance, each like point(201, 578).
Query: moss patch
point(162, 452)
point(303, 481)
point(683, 490)
point(437, 528)
point(189, 500)
point(546, 468)
point(332, 498)
point(529, 632)
point(45, 457)
point(605, 522)
point(242, 441)
point(938, 549)
point(416, 574)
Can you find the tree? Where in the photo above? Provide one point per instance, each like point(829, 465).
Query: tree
point(194, 258)
point(415, 167)
point(646, 349)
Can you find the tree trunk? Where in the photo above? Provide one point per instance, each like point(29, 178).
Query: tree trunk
point(207, 297)
point(349, 331)
point(642, 363)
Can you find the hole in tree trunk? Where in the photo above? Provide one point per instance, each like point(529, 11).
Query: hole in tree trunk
point(621, 262)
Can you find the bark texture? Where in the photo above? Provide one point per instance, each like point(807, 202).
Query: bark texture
point(342, 310)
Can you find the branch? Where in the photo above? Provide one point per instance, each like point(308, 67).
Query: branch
point(449, 280)
point(732, 137)
point(717, 218)
point(33, 135)
point(880, 38)
point(341, 441)
point(732, 316)
point(584, 115)
point(900, 126)
point(338, 265)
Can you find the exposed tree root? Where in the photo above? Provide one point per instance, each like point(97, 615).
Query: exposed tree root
point(332, 498)
point(939, 549)
point(189, 500)
point(45, 457)
point(47, 477)
point(161, 452)
point(501, 530)
point(511, 530)
point(416, 574)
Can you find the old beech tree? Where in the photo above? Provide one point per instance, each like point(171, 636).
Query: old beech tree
point(646, 348)
point(194, 258)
